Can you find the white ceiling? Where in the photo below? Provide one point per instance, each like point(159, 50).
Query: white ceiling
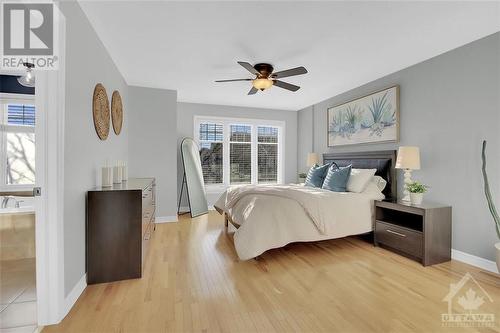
point(185, 46)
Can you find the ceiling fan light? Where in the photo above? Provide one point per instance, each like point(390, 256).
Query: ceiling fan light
point(262, 84)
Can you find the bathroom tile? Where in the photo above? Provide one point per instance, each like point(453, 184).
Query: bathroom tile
point(9, 292)
point(16, 276)
point(18, 314)
point(28, 295)
point(22, 329)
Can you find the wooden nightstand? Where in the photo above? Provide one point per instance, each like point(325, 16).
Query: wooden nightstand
point(421, 232)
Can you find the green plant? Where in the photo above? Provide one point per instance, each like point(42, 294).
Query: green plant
point(302, 175)
point(378, 108)
point(416, 187)
point(352, 115)
point(487, 192)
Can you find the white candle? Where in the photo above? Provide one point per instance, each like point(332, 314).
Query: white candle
point(117, 174)
point(124, 172)
point(106, 176)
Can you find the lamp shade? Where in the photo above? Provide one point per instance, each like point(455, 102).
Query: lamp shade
point(262, 84)
point(312, 159)
point(408, 158)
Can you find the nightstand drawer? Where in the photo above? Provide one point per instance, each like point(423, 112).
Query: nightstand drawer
point(402, 239)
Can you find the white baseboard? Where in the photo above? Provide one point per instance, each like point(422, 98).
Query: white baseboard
point(166, 219)
point(473, 260)
point(73, 295)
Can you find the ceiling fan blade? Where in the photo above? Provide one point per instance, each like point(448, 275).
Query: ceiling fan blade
point(289, 72)
point(253, 91)
point(284, 85)
point(233, 80)
point(248, 67)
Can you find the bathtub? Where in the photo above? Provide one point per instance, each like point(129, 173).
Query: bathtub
point(17, 230)
point(26, 206)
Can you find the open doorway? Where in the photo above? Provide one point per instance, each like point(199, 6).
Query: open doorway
point(18, 295)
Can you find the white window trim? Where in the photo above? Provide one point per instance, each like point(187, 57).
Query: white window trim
point(254, 123)
point(13, 99)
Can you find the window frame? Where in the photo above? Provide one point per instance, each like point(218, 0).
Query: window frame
point(254, 124)
point(6, 99)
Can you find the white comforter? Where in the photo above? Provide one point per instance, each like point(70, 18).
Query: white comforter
point(273, 216)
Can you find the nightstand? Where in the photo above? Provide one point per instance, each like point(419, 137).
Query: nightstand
point(421, 232)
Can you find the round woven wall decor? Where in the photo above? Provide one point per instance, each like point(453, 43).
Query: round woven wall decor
point(116, 112)
point(100, 111)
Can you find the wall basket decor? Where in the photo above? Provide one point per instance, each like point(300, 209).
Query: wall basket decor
point(116, 112)
point(100, 111)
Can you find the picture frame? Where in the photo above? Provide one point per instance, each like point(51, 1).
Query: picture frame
point(373, 118)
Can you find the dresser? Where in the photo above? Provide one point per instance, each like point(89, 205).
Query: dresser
point(421, 232)
point(119, 227)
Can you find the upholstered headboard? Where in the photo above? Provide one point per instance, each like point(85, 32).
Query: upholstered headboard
point(384, 161)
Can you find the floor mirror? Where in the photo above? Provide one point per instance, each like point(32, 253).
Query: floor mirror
point(192, 179)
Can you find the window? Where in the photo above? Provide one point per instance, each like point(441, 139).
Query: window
point(240, 151)
point(267, 154)
point(17, 142)
point(211, 152)
point(240, 154)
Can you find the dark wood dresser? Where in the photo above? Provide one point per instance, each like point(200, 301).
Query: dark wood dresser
point(120, 223)
point(421, 232)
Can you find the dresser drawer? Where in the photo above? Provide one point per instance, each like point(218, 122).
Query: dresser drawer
point(146, 239)
point(399, 238)
point(147, 197)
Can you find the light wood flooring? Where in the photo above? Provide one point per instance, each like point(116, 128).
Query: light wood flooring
point(194, 282)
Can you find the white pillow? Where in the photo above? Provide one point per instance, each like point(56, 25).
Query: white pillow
point(372, 188)
point(380, 182)
point(358, 179)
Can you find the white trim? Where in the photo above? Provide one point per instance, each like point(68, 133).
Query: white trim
point(17, 98)
point(166, 219)
point(50, 100)
point(73, 295)
point(473, 260)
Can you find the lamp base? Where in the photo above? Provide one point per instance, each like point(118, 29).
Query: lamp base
point(407, 180)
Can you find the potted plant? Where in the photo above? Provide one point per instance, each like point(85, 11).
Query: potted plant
point(491, 204)
point(302, 177)
point(417, 191)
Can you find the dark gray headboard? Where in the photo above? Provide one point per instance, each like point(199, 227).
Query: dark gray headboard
point(384, 161)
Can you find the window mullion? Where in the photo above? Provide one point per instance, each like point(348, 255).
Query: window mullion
point(225, 149)
point(279, 179)
point(254, 156)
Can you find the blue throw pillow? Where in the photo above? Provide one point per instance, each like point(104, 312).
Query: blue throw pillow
point(336, 178)
point(316, 175)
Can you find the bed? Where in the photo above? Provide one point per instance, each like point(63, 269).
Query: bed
point(271, 216)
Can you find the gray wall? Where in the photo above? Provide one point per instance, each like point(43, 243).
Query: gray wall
point(152, 143)
point(449, 104)
point(87, 63)
point(185, 124)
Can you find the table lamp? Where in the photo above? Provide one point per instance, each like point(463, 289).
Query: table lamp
point(312, 159)
point(408, 159)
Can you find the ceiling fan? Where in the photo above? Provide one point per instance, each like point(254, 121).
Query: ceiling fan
point(265, 78)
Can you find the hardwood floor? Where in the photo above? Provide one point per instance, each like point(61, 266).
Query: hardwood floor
point(194, 283)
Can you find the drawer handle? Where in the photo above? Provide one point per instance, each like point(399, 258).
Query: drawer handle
point(395, 233)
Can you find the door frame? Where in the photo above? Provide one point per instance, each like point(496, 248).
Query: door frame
point(49, 207)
